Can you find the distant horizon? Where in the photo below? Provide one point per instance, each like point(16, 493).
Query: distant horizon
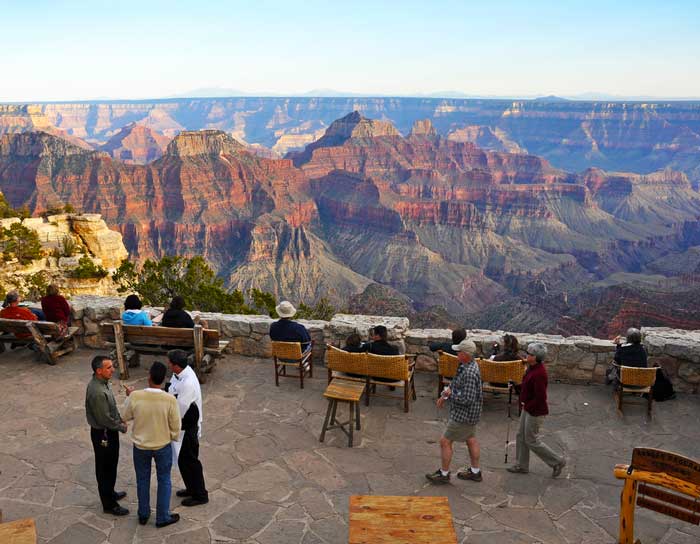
point(80, 51)
point(449, 95)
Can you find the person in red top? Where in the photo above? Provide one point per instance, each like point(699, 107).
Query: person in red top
point(56, 308)
point(13, 310)
point(533, 399)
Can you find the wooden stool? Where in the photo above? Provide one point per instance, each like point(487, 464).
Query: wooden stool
point(342, 391)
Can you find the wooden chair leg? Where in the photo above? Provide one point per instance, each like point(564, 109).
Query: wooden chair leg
point(325, 421)
point(311, 367)
point(351, 423)
point(301, 375)
point(277, 376)
point(413, 388)
point(367, 392)
point(405, 397)
point(650, 400)
point(619, 400)
point(357, 415)
point(439, 391)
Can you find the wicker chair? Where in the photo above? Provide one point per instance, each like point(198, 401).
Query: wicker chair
point(341, 364)
point(447, 368)
point(397, 370)
point(637, 381)
point(289, 354)
point(496, 375)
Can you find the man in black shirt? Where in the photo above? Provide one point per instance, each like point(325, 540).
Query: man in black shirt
point(378, 344)
point(286, 330)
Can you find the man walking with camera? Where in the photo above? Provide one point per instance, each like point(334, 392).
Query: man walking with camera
point(465, 398)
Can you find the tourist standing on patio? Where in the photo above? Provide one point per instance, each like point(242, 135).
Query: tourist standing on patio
point(105, 425)
point(185, 387)
point(533, 399)
point(465, 397)
point(156, 423)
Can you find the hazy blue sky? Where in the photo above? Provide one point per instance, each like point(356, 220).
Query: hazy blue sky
point(60, 50)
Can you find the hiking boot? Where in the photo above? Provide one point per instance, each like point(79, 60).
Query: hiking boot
point(183, 493)
point(437, 477)
point(556, 470)
point(515, 469)
point(174, 518)
point(468, 474)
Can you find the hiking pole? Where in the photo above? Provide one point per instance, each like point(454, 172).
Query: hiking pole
point(510, 390)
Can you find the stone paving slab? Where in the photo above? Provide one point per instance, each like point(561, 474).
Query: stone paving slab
point(271, 481)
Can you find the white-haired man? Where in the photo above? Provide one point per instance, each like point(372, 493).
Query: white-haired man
point(465, 398)
point(533, 399)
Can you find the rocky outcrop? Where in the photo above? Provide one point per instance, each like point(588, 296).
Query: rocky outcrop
point(136, 144)
point(102, 242)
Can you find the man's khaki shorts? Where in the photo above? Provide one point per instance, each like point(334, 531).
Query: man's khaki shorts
point(460, 432)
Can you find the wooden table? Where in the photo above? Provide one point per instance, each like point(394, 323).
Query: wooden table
point(400, 520)
point(340, 390)
point(22, 531)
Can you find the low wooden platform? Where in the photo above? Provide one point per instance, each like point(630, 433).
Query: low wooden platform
point(21, 531)
point(400, 520)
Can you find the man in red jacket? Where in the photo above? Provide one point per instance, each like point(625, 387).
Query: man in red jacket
point(533, 399)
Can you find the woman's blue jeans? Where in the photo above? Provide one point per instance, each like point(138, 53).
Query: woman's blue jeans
point(142, 465)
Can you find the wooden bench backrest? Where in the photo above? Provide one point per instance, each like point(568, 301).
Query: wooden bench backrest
point(15, 326)
point(447, 365)
point(501, 371)
point(344, 361)
point(156, 336)
point(287, 350)
point(639, 377)
point(394, 367)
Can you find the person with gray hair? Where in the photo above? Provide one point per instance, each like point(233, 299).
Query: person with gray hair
point(465, 397)
point(631, 353)
point(533, 399)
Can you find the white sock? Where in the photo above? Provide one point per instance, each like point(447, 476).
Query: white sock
point(475, 470)
point(444, 472)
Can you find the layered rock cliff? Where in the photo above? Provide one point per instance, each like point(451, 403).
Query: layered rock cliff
point(443, 222)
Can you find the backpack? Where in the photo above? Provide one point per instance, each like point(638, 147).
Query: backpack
point(663, 388)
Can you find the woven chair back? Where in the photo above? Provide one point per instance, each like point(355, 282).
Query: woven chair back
point(290, 351)
point(501, 371)
point(447, 365)
point(638, 377)
point(393, 367)
point(344, 361)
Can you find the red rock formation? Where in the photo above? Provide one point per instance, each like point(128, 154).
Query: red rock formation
point(136, 144)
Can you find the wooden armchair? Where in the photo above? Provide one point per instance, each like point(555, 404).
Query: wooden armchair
point(395, 371)
point(495, 376)
point(447, 368)
point(344, 365)
point(634, 380)
point(289, 354)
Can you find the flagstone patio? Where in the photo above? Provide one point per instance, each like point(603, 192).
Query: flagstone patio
point(272, 481)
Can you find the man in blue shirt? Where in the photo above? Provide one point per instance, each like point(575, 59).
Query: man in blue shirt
point(286, 330)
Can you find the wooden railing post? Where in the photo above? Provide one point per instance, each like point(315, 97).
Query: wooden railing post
point(627, 502)
point(120, 349)
point(198, 351)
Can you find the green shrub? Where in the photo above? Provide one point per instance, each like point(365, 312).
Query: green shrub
point(21, 243)
point(87, 269)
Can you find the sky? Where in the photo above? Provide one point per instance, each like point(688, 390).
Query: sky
point(79, 50)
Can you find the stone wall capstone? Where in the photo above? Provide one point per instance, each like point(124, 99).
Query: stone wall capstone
point(575, 359)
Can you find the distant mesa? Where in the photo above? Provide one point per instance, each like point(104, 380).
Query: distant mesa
point(424, 128)
point(203, 142)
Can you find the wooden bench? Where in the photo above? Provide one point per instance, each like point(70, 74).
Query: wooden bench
point(382, 370)
point(21, 531)
point(289, 354)
point(45, 334)
point(635, 381)
point(343, 391)
point(661, 481)
point(400, 520)
point(131, 340)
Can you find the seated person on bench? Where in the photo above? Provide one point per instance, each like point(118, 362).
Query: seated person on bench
point(133, 314)
point(12, 310)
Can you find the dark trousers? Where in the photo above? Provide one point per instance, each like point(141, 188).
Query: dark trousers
point(191, 467)
point(106, 460)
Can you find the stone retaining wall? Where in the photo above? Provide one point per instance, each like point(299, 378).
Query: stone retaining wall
point(576, 359)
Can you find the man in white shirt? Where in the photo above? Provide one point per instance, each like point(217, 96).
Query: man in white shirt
point(184, 385)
